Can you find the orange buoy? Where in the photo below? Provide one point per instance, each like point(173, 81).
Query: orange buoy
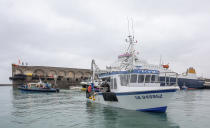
point(165, 66)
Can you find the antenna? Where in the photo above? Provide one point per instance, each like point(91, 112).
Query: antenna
point(132, 27)
point(128, 26)
point(160, 60)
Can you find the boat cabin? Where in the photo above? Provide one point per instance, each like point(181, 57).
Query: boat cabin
point(133, 78)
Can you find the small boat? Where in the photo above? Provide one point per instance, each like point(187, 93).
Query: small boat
point(184, 87)
point(207, 84)
point(75, 87)
point(85, 85)
point(38, 87)
point(84, 88)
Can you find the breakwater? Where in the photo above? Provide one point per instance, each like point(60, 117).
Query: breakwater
point(5, 84)
point(59, 76)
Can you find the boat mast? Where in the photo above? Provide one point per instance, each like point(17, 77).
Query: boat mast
point(131, 49)
point(128, 59)
point(93, 71)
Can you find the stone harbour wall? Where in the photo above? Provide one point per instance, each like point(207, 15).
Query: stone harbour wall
point(59, 76)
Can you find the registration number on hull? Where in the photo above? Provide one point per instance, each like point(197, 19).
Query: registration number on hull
point(151, 96)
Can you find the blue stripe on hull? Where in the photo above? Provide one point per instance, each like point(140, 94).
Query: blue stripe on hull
point(158, 109)
point(144, 92)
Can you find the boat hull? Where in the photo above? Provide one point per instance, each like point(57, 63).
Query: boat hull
point(83, 89)
point(38, 90)
point(151, 101)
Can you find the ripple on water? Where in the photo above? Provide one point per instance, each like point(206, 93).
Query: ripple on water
point(70, 109)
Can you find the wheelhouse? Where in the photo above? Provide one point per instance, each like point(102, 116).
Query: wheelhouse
point(131, 78)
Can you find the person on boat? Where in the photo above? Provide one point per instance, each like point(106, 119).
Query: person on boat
point(53, 85)
point(88, 91)
point(47, 86)
point(37, 85)
point(106, 86)
point(26, 85)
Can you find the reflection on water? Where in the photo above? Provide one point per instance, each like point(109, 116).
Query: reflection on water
point(114, 117)
point(69, 109)
point(45, 109)
point(190, 108)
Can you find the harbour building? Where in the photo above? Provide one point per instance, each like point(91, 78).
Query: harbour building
point(58, 76)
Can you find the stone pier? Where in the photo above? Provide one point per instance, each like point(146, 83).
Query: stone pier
point(59, 76)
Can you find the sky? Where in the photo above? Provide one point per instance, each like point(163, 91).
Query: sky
point(70, 33)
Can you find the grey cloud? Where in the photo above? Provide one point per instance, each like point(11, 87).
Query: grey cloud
point(71, 33)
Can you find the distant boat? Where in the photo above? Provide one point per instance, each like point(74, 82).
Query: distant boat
point(207, 84)
point(75, 87)
point(85, 85)
point(38, 87)
point(184, 87)
point(188, 79)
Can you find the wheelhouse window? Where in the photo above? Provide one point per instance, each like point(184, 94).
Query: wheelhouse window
point(106, 79)
point(157, 78)
point(140, 78)
point(147, 78)
point(115, 83)
point(133, 78)
point(111, 83)
point(153, 79)
point(124, 80)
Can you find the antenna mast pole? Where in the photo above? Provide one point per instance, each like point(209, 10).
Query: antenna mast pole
point(131, 42)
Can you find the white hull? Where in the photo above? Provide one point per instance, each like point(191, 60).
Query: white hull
point(155, 100)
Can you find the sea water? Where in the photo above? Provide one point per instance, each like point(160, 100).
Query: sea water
point(69, 109)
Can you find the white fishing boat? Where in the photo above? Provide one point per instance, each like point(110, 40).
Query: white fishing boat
point(129, 87)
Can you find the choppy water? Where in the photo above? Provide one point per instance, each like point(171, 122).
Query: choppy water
point(69, 109)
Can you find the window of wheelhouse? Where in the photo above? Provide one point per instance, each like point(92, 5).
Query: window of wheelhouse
point(106, 79)
point(154, 78)
point(124, 80)
point(157, 78)
point(140, 78)
point(133, 78)
point(113, 83)
point(147, 78)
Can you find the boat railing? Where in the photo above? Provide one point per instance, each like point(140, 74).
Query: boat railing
point(170, 79)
